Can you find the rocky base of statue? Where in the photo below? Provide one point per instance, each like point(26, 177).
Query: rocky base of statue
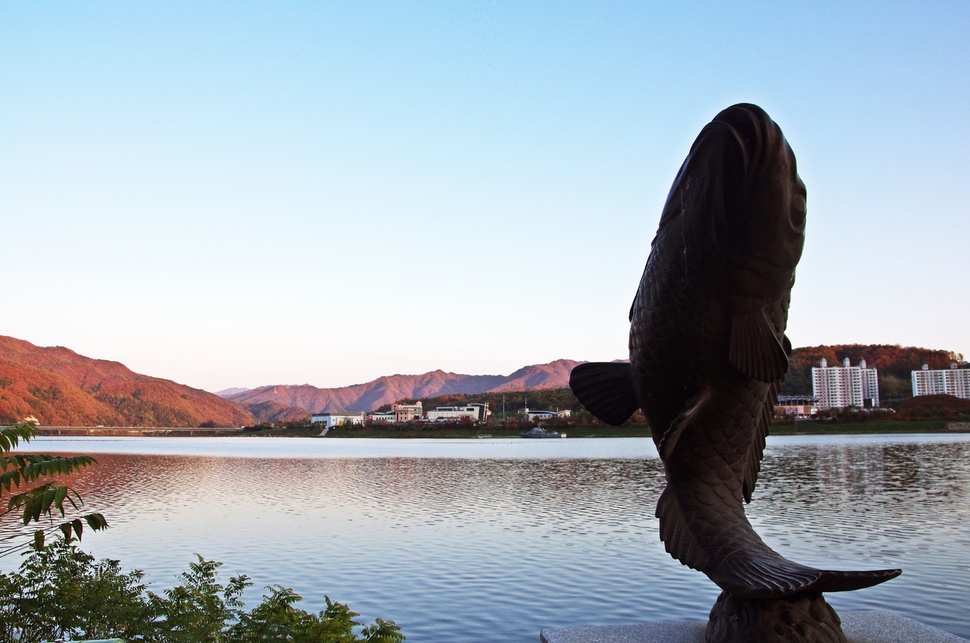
point(804, 619)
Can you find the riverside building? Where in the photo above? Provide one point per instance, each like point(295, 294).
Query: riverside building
point(952, 381)
point(837, 387)
point(408, 412)
point(473, 412)
point(331, 420)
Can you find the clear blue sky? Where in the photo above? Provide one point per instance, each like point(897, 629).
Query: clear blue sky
point(248, 193)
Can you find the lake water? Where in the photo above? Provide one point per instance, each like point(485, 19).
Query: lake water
point(492, 540)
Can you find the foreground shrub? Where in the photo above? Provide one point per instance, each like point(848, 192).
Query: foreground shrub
point(28, 487)
point(62, 592)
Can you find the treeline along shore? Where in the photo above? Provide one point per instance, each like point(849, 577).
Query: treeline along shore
point(805, 427)
point(453, 431)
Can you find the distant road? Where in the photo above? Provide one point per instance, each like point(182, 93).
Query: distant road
point(154, 431)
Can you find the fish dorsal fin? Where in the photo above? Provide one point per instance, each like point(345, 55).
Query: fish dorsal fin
point(606, 390)
point(755, 349)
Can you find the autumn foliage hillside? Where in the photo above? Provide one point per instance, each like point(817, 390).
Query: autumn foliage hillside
point(59, 387)
point(894, 364)
point(932, 407)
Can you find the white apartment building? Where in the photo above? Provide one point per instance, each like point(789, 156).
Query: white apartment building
point(836, 387)
point(952, 381)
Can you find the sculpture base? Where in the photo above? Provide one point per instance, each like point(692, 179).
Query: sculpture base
point(869, 626)
point(804, 619)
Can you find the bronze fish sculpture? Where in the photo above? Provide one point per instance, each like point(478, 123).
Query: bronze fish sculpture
point(708, 352)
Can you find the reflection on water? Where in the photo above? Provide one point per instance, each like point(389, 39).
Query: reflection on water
point(492, 542)
point(902, 504)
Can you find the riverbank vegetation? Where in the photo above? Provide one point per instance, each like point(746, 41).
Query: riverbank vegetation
point(641, 430)
point(61, 592)
point(802, 427)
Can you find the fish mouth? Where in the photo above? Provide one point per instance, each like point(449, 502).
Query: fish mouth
point(798, 205)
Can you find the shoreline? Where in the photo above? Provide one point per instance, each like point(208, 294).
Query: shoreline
point(484, 432)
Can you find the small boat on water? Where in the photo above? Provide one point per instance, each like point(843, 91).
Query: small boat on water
point(539, 432)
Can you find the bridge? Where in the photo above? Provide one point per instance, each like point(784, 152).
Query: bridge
point(144, 431)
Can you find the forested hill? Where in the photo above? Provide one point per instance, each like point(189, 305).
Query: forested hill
point(59, 387)
point(894, 363)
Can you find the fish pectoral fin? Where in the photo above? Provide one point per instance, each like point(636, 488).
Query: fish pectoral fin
point(606, 390)
point(684, 419)
point(755, 349)
point(679, 539)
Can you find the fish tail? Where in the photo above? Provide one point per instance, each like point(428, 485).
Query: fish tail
point(714, 537)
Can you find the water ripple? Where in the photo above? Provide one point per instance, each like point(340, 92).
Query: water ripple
point(500, 543)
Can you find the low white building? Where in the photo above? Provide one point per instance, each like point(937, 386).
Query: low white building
point(532, 415)
point(331, 420)
point(474, 412)
point(952, 381)
point(382, 417)
point(795, 410)
point(798, 406)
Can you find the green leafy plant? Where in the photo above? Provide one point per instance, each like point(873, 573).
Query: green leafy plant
point(199, 607)
point(276, 620)
point(47, 498)
point(62, 592)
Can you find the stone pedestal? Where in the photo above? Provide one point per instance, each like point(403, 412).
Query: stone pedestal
point(805, 619)
point(875, 626)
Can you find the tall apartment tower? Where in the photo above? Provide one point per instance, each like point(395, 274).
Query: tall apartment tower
point(953, 381)
point(836, 387)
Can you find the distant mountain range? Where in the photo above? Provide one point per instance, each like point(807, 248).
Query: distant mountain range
point(57, 386)
point(279, 403)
